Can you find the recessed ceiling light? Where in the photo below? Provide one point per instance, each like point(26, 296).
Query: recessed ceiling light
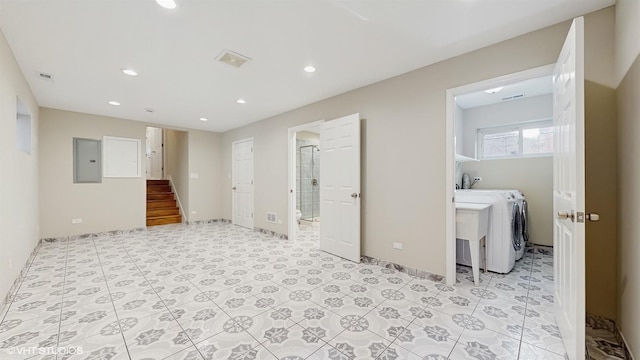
point(241, 101)
point(167, 4)
point(203, 119)
point(494, 90)
point(309, 69)
point(114, 103)
point(130, 72)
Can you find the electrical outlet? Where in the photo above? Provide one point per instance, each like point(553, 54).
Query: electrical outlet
point(194, 212)
point(477, 178)
point(76, 221)
point(194, 175)
point(397, 245)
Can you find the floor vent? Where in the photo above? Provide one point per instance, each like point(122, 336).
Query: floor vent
point(272, 217)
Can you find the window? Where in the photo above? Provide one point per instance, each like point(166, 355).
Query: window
point(518, 140)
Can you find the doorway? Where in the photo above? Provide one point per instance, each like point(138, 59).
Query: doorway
point(458, 151)
point(338, 184)
point(155, 153)
point(301, 184)
point(308, 178)
point(242, 180)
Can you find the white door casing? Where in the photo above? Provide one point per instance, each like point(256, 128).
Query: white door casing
point(155, 154)
point(340, 187)
point(569, 191)
point(242, 182)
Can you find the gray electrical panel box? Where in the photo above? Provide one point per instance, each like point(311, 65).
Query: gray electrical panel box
point(87, 161)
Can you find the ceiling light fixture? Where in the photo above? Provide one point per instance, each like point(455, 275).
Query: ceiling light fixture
point(114, 103)
point(241, 101)
point(203, 119)
point(309, 69)
point(494, 90)
point(129, 72)
point(167, 4)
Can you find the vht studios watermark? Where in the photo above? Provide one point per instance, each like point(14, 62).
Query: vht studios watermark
point(67, 350)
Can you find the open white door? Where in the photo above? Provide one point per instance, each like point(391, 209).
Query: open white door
point(154, 153)
point(340, 187)
point(242, 180)
point(568, 191)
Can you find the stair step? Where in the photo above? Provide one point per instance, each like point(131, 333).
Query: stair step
point(163, 220)
point(158, 188)
point(162, 212)
point(157, 182)
point(160, 196)
point(160, 204)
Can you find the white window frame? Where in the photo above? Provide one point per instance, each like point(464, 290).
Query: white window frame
point(520, 127)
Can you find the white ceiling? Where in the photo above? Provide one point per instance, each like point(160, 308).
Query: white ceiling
point(85, 43)
point(528, 88)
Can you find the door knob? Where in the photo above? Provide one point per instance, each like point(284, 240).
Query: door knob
point(593, 217)
point(563, 215)
point(354, 195)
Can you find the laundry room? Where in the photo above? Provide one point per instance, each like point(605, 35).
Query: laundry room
point(504, 154)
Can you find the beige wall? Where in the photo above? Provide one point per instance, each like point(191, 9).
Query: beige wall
point(600, 175)
point(19, 193)
point(116, 203)
point(627, 41)
point(628, 285)
point(195, 152)
point(403, 178)
point(532, 176)
point(205, 159)
point(628, 109)
point(176, 149)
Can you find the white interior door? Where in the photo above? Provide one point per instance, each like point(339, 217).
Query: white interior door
point(242, 180)
point(568, 191)
point(154, 153)
point(340, 187)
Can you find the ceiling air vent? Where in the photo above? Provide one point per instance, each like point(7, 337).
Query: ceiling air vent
point(44, 76)
point(232, 58)
point(513, 97)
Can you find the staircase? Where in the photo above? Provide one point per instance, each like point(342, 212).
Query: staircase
point(161, 204)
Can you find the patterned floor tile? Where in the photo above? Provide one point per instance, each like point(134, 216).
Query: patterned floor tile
point(96, 347)
point(485, 345)
point(220, 291)
point(290, 343)
point(543, 332)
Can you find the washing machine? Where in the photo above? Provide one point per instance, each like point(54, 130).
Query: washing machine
point(507, 234)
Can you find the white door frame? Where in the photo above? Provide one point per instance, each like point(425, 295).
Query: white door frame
point(314, 126)
point(450, 209)
point(233, 195)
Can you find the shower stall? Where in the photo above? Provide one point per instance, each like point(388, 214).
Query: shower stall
point(308, 196)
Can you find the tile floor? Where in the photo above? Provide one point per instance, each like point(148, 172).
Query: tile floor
point(217, 291)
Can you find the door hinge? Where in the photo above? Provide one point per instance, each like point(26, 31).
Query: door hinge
point(453, 199)
point(251, 182)
point(251, 149)
point(252, 215)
